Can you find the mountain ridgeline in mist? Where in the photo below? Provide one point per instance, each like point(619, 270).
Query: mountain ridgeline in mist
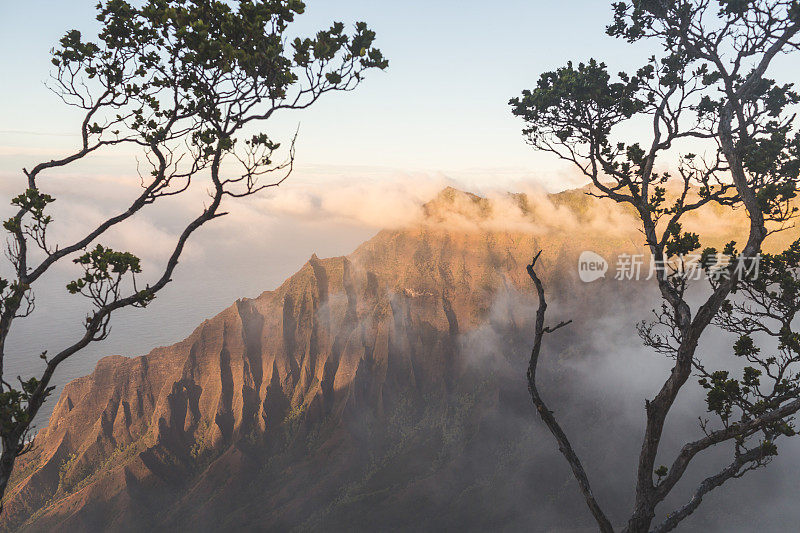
point(383, 390)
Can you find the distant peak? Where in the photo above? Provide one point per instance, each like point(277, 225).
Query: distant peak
point(451, 193)
point(454, 201)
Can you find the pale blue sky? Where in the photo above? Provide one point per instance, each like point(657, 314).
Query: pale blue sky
point(441, 107)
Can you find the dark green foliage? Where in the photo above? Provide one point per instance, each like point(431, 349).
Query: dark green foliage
point(762, 314)
point(15, 417)
point(578, 104)
point(104, 270)
point(722, 392)
point(34, 202)
point(174, 59)
point(680, 243)
point(101, 264)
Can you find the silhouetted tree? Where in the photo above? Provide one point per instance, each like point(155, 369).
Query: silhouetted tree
point(187, 82)
point(707, 89)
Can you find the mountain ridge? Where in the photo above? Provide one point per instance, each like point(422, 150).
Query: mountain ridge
point(346, 358)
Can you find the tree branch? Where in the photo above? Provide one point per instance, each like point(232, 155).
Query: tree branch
point(734, 470)
point(547, 415)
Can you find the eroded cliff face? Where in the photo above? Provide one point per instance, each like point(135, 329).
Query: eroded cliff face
point(350, 393)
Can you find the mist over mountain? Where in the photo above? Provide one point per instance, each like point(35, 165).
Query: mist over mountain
point(386, 390)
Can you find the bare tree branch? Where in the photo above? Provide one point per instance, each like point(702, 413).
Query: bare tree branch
point(547, 415)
